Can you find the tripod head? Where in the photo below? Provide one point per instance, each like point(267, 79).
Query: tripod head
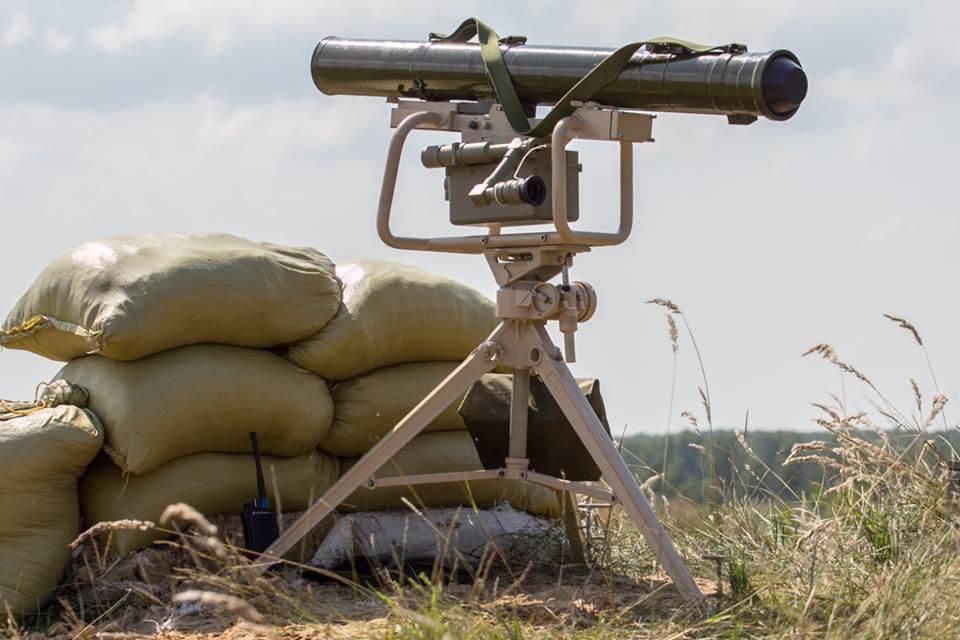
point(522, 263)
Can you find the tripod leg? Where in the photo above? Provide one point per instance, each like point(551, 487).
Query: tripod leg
point(519, 403)
point(578, 411)
point(453, 387)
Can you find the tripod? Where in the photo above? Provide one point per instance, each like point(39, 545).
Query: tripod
point(522, 264)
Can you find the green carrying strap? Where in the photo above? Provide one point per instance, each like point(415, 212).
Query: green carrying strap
point(586, 88)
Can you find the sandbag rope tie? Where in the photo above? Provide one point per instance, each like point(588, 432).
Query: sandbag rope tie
point(15, 408)
point(47, 396)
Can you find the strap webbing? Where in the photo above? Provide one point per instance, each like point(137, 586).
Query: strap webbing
point(585, 89)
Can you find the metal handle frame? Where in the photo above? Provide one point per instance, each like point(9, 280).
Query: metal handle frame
point(564, 131)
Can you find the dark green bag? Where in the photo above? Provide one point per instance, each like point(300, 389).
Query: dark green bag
point(553, 447)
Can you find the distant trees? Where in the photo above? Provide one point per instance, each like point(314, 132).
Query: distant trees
point(735, 471)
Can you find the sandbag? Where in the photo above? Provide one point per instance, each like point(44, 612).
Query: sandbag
point(212, 483)
point(369, 406)
point(203, 398)
point(440, 453)
point(553, 447)
point(131, 296)
point(391, 314)
point(41, 456)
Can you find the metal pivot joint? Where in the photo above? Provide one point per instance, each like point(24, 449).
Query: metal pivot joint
point(490, 166)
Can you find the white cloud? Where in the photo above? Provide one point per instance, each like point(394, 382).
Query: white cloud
point(57, 41)
point(755, 21)
point(217, 28)
point(769, 215)
point(814, 227)
point(141, 158)
point(19, 29)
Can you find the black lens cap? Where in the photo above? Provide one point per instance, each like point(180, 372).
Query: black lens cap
point(784, 85)
point(533, 190)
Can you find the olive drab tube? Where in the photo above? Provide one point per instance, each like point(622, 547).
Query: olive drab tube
point(739, 84)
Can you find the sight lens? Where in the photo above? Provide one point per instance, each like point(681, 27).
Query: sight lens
point(784, 85)
point(533, 191)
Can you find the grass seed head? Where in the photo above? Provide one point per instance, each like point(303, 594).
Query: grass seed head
point(904, 324)
point(184, 513)
point(665, 303)
point(115, 525)
point(939, 402)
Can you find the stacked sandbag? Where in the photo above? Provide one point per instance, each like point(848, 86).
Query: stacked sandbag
point(367, 407)
point(398, 333)
point(372, 335)
point(42, 453)
point(128, 297)
point(170, 335)
point(168, 332)
point(202, 398)
point(394, 314)
point(212, 483)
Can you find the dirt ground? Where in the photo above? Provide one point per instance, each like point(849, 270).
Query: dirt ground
point(133, 597)
point(539, 602)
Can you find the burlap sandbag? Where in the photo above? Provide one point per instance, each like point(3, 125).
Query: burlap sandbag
point(440, 453)
point(369, 406)
point(212, 483)
point(203, 398)
point(391, 314)
point(41, 456)
point(131, 296)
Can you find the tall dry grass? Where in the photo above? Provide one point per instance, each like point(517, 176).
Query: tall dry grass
point(870, 552)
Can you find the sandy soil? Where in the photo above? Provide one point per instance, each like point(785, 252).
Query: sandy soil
point(118, 598)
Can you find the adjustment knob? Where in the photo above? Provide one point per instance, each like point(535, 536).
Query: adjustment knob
point(545, 299)
point(586, 300)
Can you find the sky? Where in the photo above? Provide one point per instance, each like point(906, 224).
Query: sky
point(196, 115)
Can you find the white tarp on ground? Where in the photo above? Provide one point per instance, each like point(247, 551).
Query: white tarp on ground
point(460, 534)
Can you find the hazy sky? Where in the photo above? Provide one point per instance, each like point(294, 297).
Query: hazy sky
point(197, 115)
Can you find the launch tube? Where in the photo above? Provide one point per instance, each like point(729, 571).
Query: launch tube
point(771, 84)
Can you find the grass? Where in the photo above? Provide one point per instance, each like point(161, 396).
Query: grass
point(871, 552)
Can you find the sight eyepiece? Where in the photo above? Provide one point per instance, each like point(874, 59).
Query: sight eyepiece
point(533, 190)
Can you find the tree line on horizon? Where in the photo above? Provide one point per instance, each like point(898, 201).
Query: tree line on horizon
point(719, 466)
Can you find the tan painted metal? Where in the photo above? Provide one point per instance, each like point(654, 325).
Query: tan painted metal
point(588, 122)
point(435, 478)
point(560, 484)
point(522, 264)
